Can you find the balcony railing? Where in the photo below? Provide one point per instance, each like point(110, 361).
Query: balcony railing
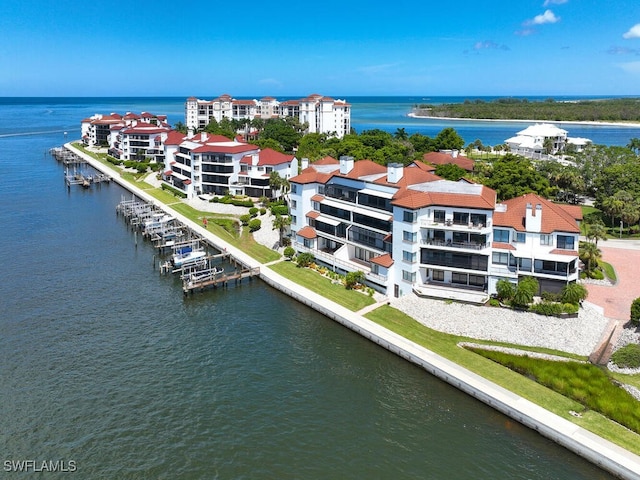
point(450, 244)
point(450, 224)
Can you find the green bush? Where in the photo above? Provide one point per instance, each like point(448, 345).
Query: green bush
point(551, 297)
point(494, 302)
point(573, 293)
point(596, 274)
point(549, 309)
point(279, 210)
point(289, 252)
point(570, 308)
point(305, 259)
point(627, 356)
point(505, 289)
point(245, 219)
point(263, 211)
point(353, 278)
point(175, 191)
point(253, 211)
point(255, 224)
point(635, 311)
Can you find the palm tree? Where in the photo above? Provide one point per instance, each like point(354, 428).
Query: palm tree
point(596, 231)
point(281, 223)
point(275, 182)
point(401, 134)
point(634, 144)
point(588, 252)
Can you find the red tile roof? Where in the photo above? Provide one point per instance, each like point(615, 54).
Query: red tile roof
point(218, 148)
point(503, 246)
point(269, 156)
point(555, 217)
point(307, 232)
point(383, 260)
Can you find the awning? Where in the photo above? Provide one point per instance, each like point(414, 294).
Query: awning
point(386, 216)
point(327, 220)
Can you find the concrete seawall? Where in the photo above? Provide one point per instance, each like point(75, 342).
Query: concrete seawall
point(597, 450)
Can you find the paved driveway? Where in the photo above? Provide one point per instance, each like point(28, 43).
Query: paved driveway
point(616, 300)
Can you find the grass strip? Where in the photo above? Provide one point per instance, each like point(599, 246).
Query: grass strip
point(351, 299)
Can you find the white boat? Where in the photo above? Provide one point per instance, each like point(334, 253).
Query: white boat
point(185, 256)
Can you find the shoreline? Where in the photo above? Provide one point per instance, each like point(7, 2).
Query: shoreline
point(555, 122)
point(599, 451)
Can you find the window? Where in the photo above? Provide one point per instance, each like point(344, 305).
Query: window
point(409, 216)
point(294, 204)
point(546, 239)
point(459, 278)
point(460, 218)
point(437, 275)
point(520, 237)
point(409, 256)
point(409, 236)
point(566, 242)
point(500, 258)
point(500, 235)
point(408, 276)
point(438, 216)
point(294, 188)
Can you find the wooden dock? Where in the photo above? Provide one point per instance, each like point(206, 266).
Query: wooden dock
point(214, 278)
point(85, 180)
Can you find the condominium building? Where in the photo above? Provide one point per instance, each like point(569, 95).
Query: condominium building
point(213, 164)
point(102, 130)
point(322, 114)
point(408, 230)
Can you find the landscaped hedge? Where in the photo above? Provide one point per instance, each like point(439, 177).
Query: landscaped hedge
point(229, 200)
point(175, 191)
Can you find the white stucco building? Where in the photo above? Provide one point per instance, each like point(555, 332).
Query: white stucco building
point(322, 114)
point(532, 141)
point(408, 230)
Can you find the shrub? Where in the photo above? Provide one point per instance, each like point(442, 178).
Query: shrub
point(526, 289)
point(549, 309)
point(551, 297)
point(627, 356)
point(253, 211)
point(305, 259)
point(573, 293)
point(353, 278)
point(505, 289)
point(596, 274)
point(289, 252)
point(245, 219)
point(175, 191)
point(529, 285)
point(263, 211)
point(255, 224)
point(635, 311)
point(570, 308)
point(494, 302)
point(215, 200)
point(279, 210)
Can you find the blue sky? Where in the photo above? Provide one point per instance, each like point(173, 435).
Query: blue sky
point(337, 48)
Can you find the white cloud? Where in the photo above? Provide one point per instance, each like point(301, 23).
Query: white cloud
point(634, 32)
point(631, 67)
point(547, 17)
point(554, 2)
point(487, 44)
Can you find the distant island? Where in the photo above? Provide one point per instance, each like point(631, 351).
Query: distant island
point(606, 110)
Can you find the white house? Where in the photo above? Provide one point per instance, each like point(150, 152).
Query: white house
point(531, 142)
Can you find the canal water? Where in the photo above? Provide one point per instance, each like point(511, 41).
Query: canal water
point(103, 362)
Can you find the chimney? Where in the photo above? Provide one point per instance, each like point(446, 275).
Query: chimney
point(305, 163)
point(255, 158)
point(394, 172)
point(454, 153)
point(190, 133)
point(533, 218)
point(346, 164)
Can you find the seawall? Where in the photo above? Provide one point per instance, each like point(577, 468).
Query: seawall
point(601, 452)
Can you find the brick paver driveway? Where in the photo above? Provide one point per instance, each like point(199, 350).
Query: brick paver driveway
point(616, 300)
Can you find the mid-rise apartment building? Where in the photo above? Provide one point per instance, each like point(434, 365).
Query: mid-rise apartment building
point(322, 114)
point(409, 230)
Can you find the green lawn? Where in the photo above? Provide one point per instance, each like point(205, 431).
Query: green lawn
point(447, 346)
point(351, 299)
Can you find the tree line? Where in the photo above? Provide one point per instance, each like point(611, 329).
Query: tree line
point(606, 110)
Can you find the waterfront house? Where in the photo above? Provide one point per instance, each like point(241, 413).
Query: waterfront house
point(544, 138)
point(409, 230)
point(321, 114)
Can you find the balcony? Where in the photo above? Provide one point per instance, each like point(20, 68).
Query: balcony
point(451, 225)
point(450, 244)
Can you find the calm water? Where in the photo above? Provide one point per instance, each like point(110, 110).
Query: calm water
point(103, 362)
